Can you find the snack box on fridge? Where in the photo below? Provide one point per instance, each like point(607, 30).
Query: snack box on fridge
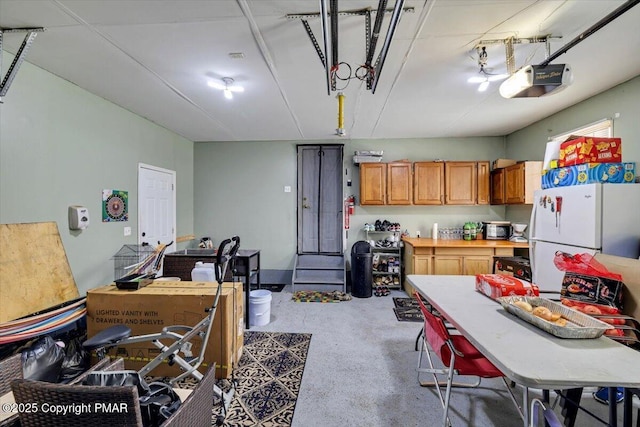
point(589, 173)
point(500, 285)
point(587, 149)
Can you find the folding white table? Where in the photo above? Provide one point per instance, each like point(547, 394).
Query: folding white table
point(525, 354)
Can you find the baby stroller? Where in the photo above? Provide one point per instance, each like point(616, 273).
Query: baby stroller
point(180, 336)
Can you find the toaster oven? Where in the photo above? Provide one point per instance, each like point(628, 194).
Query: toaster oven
point(497, 230)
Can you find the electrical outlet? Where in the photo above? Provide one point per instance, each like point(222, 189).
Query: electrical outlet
point(418, 233)
point(127, 231)
point(287, 189)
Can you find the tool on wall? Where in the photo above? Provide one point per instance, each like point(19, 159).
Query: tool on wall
point(20, 55)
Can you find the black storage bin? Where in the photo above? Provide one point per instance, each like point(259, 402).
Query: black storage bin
point(361, 270)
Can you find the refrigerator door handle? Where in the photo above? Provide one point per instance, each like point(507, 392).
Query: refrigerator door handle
point(532, 220)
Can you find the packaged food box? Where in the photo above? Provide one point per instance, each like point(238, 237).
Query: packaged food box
point(500, 285)
point(592, 289)
point(587, 149)
point(589, 173)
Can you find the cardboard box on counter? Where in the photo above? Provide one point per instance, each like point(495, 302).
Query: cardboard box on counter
point(501, 285)
point(149, 309)
point(590, 173)
point(503, 163)
point(592, 289)
point(577, 150)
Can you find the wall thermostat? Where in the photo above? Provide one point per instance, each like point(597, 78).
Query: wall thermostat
point(78, 217)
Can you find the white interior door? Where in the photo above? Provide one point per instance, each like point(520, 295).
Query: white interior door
point(156, 206)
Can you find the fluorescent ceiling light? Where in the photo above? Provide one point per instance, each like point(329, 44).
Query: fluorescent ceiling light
point(535, 81)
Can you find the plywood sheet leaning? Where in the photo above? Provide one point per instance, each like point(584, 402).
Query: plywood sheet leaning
point(34, 270)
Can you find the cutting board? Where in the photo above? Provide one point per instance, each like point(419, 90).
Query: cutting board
point(34, 270)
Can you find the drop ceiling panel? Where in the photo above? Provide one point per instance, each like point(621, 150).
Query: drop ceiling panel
point(154, 58)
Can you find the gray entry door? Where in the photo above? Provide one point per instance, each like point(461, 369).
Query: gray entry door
point(320, 216)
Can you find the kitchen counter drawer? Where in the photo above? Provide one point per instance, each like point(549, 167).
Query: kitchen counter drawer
point(464, 251)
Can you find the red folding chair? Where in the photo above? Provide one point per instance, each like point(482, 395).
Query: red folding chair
point(458, 356)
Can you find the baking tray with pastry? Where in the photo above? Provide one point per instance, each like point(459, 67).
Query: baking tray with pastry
point(554, 318)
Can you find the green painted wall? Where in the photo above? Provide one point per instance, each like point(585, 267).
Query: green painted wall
point(624, 100)
point(60, 146)
point(239, 188)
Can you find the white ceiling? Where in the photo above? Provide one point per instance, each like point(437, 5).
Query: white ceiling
point(154, 58)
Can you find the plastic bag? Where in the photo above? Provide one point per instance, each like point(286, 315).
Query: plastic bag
point(583, 264)
point(42, 360)
point(157, 400)
point(76, 360)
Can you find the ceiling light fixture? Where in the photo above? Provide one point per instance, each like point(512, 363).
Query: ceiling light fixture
point(227, 88)
point(485, 77)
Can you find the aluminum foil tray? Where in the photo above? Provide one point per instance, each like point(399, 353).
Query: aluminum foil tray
point(579, 325)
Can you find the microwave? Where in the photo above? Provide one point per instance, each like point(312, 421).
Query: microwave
point(497, 230)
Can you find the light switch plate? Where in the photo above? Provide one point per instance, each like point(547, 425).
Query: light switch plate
point(127, 231)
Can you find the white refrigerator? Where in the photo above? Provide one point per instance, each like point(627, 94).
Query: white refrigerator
point(592, 218)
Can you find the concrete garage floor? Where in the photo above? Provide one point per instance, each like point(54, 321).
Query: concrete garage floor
point(360, 371)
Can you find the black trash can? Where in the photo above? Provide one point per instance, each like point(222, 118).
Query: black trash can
point(361, 270)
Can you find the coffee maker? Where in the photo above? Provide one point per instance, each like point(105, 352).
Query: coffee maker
point(517, 233)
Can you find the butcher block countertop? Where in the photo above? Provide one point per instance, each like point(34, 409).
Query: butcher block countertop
point(442, 243)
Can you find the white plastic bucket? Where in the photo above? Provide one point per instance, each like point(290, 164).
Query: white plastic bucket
point(259, 307)
point(204, 272)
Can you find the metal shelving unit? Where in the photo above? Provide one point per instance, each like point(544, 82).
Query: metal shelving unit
point(387, 261)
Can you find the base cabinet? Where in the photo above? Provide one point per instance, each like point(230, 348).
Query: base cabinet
point(448, 265)
point(477, 265)
point(446, 261)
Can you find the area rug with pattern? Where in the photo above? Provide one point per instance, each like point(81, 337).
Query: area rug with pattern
point(268, 379)
point(316, 296)
point(407, 310)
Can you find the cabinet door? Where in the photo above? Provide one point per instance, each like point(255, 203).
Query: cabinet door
point(497, 187)
point(428, 183)
point(461, 182)
point(422, 264)
point(399, 188)
point(447, 265)
point(483, 183)
point(477, 265)
point(514, 183)
point(373, 183)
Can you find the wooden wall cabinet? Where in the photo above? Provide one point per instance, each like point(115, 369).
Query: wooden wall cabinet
point(428, 183)
point(484, 185)
point(520, 181)
point(466, 183)
point(399, 183)
point(373, 183)
point(497, 187)
point(425, 183)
